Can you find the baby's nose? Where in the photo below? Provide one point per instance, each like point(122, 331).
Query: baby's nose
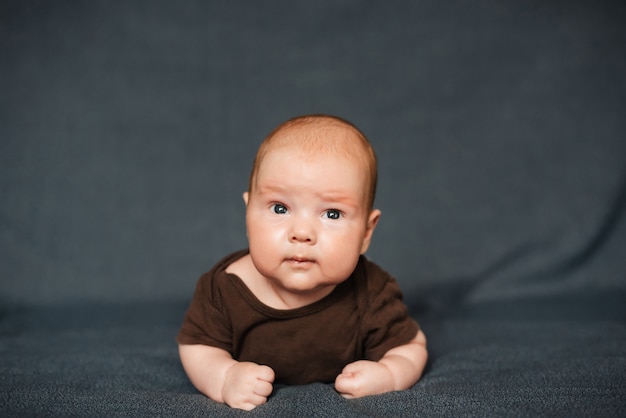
point(303, 232)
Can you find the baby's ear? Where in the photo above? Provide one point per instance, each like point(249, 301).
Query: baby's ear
point(245, 197)
point(372, 221)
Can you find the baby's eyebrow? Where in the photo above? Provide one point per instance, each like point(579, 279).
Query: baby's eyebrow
point(272, 188)
point(340, 197)
point(330, 196)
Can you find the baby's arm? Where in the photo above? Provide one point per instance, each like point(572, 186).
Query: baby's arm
point(216, 374)
point(399, 369)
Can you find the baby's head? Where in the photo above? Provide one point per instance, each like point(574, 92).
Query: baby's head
point(319, 135)
point(309, 209)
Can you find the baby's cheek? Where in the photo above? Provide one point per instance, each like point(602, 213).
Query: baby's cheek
point(340, 266)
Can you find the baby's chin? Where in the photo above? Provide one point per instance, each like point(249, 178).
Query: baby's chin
point(304, 287)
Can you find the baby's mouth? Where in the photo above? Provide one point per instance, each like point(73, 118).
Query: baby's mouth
point(300, 260)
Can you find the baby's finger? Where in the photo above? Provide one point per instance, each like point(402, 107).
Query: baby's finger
point(263, 389)
point(250, 401)
point(345, 385)
point(251, 404)
point(266, 374)
point(352, 368)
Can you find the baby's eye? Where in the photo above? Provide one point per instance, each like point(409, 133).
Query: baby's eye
point(333, 214)
point(279, 209)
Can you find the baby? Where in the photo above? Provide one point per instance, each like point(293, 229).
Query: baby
point(303, 304)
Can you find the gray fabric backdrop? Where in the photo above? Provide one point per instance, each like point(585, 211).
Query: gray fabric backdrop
point(127, 130)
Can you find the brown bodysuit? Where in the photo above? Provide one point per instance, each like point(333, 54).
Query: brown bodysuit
point(362, 318)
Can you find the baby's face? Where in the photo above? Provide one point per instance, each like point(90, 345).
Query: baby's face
point(307, 220)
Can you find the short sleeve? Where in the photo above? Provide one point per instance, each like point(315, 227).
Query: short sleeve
point(386, 323)
point(205, 321)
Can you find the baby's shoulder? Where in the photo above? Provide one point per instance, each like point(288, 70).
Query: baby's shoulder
point(371, 277)
point(211, 281)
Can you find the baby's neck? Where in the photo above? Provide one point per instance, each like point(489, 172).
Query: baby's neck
point(278, 298)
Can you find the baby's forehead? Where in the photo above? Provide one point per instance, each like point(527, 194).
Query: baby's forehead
point(332, 176)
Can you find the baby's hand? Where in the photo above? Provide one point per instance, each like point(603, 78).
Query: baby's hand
point(247, 385)
point(363, 378)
